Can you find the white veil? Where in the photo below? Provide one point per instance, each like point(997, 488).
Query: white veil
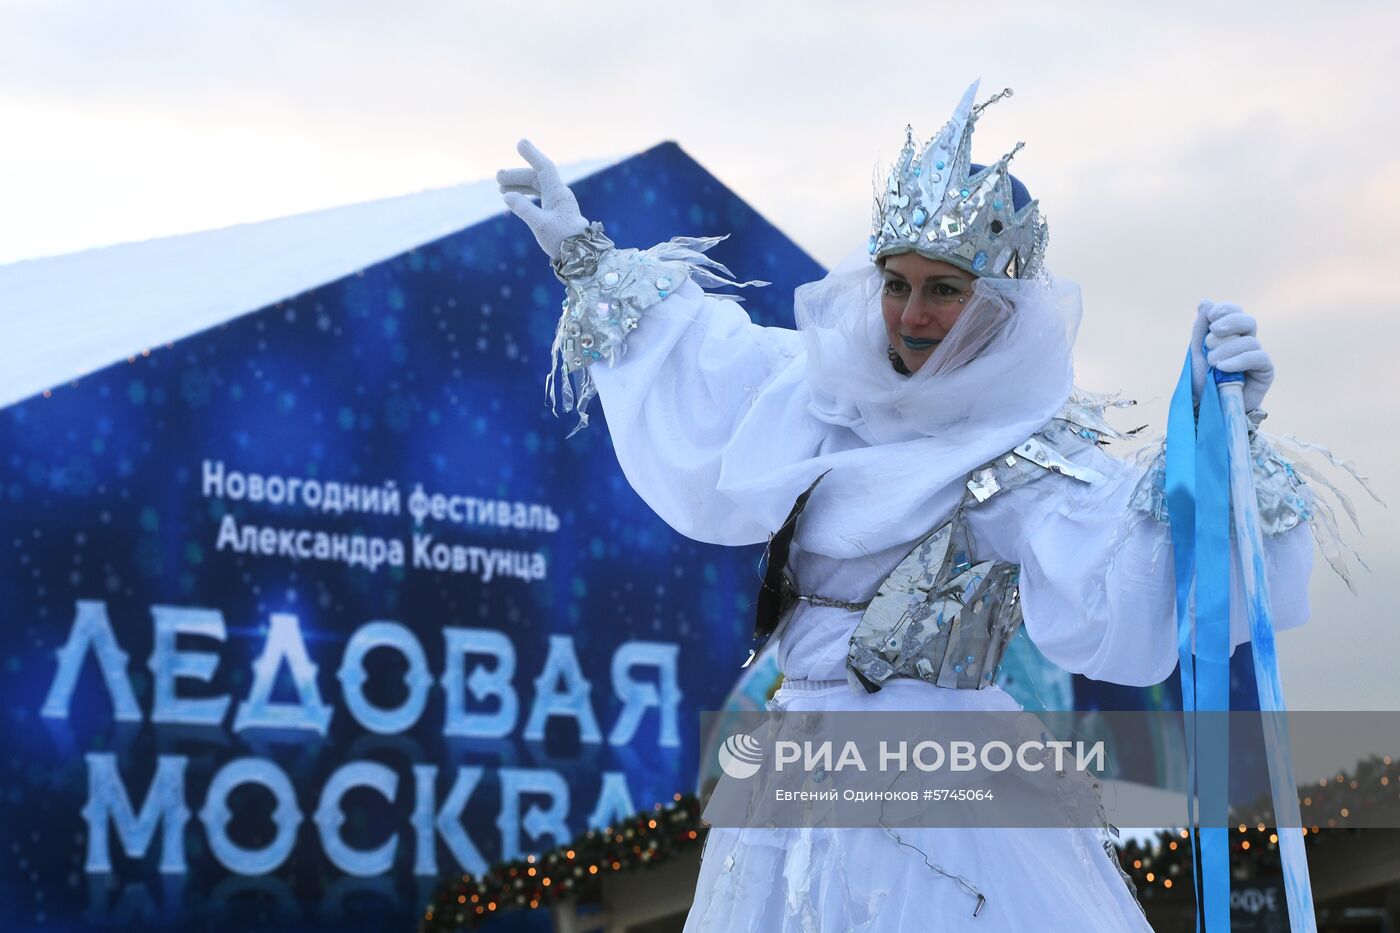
point(1006, 358)
point(1004, 369)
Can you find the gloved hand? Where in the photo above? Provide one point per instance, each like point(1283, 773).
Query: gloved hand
point(1228, 335)
point(556, 217)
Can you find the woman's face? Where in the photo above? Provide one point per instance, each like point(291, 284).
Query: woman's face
point(921, 299)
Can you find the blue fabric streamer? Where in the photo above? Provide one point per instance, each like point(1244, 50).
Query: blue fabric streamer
point(1198, 507)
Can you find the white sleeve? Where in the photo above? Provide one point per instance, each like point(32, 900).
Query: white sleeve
point(1098, 584)
point(674, 394)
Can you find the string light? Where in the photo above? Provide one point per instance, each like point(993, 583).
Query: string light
point(1344, 802)
point(640, 840)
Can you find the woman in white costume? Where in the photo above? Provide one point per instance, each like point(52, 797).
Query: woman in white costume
point(925, 398)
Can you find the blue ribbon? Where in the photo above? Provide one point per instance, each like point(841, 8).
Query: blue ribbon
point(1198, 507)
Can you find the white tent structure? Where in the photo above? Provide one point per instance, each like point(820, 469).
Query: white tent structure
point(62, 317)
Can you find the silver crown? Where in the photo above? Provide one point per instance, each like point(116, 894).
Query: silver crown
point(935, 205)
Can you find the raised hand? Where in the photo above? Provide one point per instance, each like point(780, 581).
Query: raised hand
point(557, 216)
point(1224, 337)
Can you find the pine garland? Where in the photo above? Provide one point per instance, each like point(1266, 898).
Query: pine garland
point(1327, 807)
point(571, 872)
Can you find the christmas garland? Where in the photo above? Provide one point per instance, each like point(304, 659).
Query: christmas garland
point(650, 837)
point(570, 872)
point(1373, 791)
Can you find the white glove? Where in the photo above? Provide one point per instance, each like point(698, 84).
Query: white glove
point(1228, 335)
point(556, 217)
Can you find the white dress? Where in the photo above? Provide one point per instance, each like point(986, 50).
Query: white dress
point(718, 423)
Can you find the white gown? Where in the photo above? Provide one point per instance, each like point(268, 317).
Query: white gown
point(702, 402)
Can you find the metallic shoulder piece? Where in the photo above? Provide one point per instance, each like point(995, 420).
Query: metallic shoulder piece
point(1078, 425)
point(941, 616)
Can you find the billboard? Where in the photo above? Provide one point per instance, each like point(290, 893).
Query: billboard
point(316, 606)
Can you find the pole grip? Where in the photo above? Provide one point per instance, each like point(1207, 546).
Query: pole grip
point(1249, 545)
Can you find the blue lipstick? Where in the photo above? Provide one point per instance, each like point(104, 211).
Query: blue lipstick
point(919, 344)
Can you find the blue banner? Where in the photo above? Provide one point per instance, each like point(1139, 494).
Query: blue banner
point(315, 607)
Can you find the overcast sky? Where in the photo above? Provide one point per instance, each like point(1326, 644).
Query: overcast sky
point(1242, 151)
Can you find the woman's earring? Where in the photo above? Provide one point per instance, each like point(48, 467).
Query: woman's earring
point(898, 363)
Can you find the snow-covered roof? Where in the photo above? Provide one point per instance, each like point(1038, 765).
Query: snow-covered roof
point(64, 316)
